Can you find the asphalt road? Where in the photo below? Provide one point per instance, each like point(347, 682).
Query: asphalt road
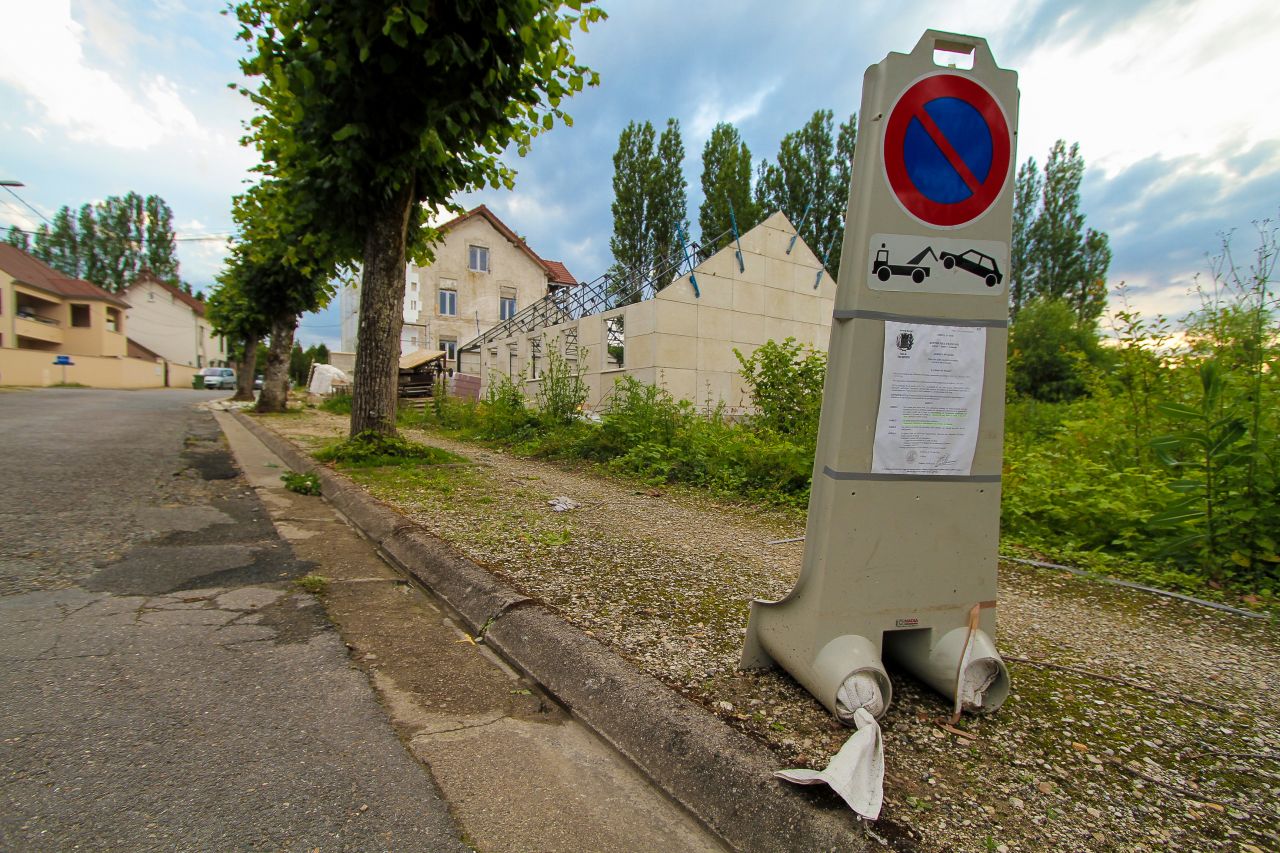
point(163, 685)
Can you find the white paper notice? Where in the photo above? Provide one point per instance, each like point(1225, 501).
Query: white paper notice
point(930, 399)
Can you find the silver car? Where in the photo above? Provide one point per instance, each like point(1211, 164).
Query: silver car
point(218, 377)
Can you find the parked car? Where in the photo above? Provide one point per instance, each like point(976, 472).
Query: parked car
point(257, 382)
point(218, 377)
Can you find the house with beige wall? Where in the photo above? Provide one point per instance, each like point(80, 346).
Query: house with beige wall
point(44, 315)
point(171, 323)
point(482, 274)
point(768, 285)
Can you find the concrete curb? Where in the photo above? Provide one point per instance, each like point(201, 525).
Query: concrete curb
point(717, 773)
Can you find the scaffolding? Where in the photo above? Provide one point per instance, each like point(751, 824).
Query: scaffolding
point(605, 293)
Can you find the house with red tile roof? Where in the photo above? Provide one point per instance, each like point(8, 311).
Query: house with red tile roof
point(483, 273)
point(46, 316)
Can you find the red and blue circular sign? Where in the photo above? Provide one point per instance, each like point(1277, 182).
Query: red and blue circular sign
point(947, 150)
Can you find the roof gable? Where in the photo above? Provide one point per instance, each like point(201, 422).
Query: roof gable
point(148, 277)
point(31, 271)
point(556, 272)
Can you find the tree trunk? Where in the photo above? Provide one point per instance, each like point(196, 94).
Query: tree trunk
point(246, 369)
point(373, 403)
point(275, 386)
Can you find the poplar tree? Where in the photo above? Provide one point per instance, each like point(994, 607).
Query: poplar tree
point(1053, 254)
point(1026, 204)
point(810, 183)
point(18, 237)
point(109, 243)
point(668, 199)
point(649, 208)
point(726, 180)
point(630, 244)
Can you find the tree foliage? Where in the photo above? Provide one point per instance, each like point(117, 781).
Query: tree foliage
point(1050, 352)
point(810, 183)
point(111, 242)
point(1054, 254)
point(726, 181)
point(649, 204)
point(372, 114)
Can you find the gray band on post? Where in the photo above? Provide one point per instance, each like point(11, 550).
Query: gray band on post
point(927, 478)
point(860, 314)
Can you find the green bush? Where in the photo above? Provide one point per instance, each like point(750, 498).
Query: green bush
point(786, 387)
point(561, 392)
point(372, 449)
point(506, 414)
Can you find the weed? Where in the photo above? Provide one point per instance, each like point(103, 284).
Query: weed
point(303, 484)
point(314, 584)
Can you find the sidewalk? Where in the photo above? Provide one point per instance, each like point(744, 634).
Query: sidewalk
point(519, 773)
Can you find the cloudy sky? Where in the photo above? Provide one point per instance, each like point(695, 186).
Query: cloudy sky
point(1173, 104)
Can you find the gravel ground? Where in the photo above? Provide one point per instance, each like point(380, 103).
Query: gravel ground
point(1136, 722)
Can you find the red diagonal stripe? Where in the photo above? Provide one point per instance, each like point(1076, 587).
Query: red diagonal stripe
point(953, 156)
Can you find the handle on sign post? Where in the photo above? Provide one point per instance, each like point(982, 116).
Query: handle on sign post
point(956, 43)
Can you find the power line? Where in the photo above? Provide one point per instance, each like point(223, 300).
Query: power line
point(10, 191)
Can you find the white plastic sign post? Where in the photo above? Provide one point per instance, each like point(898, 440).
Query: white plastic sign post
point(900, 551)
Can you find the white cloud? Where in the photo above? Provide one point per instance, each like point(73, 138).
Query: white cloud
point(1177, 79)
point(713, 109)
point(44, 58)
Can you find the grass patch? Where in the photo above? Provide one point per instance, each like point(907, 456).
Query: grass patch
point(302, 484)
point(314, 584)
point(338, 404)
point(374, 450)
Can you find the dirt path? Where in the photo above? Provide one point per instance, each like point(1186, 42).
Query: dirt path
point(1166, 738)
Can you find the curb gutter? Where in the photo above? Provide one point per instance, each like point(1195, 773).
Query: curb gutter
point(717, 773)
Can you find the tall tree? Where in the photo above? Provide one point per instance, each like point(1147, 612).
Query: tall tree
point(240, 321)
point(110, 242)
point(726, 180)
point(364, 153)
point(1091, 295)
point(1058, 233)
point(93, 266)
point(668, 200)
point(159, 250)
point(631, 244)
point(64, 244)
point(18, 237)
point(1026, 204)
point(810, 183)
point(283, 278)
point(1063, 260)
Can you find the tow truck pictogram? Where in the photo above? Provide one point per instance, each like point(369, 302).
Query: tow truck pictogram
point(918, 272)
point(976, 263)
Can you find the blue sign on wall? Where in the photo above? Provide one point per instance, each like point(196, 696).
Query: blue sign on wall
point(62, 359)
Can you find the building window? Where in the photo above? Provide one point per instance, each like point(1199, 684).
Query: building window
point(450, 347)
point(535, 355)
point(113, 319)
point(448, 302)
point(615, 340)
point(478, 259)
point(413, 306)
point(80, 316)
point(506, 308)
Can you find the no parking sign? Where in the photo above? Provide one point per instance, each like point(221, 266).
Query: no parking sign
point(947, 150)
point(900, 549)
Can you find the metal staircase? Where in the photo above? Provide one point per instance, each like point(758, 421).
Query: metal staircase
point(607, 292)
